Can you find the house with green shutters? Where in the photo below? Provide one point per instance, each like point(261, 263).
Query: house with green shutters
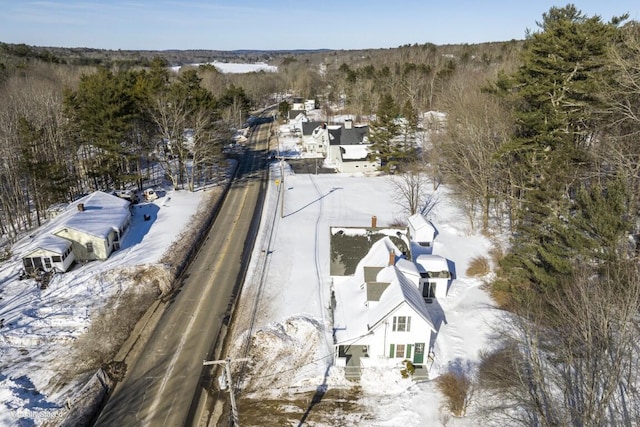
point(380, 315)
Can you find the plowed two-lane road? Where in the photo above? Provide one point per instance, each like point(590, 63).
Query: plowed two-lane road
point(164, 382)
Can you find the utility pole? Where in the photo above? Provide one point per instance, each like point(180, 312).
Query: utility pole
point(227, 368)
point(282, 187)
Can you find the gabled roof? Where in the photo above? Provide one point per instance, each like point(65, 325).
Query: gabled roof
point(47, 242)
point(418, 222)
point(308, 127)
point(352, 136)
point(356, 135)
point(401, 290)
point(349, 245)
point(102, 213)
point(353, 318)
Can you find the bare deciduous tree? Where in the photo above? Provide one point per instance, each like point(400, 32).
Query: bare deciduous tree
point(412, 191)
point(467, 152)
point(573, 358)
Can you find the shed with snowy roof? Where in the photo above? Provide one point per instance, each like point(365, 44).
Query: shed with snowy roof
point(421, 230)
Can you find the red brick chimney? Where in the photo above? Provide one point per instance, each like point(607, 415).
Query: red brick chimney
point(374, 221)
point(392, 258)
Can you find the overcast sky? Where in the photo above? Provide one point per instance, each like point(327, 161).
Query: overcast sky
point(277, 24)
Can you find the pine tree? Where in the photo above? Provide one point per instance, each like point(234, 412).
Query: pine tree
point(557, 117)
point(102, 111)
point(384, 131)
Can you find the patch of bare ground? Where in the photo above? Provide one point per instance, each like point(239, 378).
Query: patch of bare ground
point(336, 407)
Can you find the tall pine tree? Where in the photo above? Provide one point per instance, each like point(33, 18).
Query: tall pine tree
point(557, 119)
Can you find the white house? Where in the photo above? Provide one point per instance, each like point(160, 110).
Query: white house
point(295, 124)
point(91, 228)
point(436, 276)
point(349, 149)
point(380, 316)
point(421, 230)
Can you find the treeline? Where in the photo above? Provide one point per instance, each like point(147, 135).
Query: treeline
point(548, 152)
point(67, 130)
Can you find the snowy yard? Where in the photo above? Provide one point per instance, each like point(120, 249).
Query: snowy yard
point(291, 345)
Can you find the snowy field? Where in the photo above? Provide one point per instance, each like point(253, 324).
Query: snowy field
point(234, 68)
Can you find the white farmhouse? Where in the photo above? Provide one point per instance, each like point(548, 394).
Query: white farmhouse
point(380, 316)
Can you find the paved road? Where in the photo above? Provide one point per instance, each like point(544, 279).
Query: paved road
point(167, 375)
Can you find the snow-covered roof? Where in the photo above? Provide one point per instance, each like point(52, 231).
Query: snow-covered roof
point(401, 290)
point(102, 213)
point(47, 242)
point(354, 152)
point(300, 118)
point(418, 221)
point(353, 318)
point(409, 269)
point(432, 263)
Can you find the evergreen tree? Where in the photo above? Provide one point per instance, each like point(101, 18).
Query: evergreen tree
point(384, 131)
point(557, 111)
point(102, 110)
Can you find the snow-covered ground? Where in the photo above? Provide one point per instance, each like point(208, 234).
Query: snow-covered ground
point(225, 67)
point(40, 326)
point(291, 347)
point(291, 350)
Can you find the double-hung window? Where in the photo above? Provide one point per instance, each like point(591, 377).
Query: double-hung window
point(401, 323)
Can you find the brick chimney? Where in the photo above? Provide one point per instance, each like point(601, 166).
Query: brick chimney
point(81, 207)
point(374, 221)
point(392, 258)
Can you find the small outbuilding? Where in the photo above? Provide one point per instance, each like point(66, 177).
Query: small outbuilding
point(421, 230)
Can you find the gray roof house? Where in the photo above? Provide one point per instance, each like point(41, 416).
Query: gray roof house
point(350, 151)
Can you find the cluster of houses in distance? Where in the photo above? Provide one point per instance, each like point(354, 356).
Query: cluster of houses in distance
point(344, 145)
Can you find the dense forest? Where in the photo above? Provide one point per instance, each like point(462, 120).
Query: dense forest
point(540, 145)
